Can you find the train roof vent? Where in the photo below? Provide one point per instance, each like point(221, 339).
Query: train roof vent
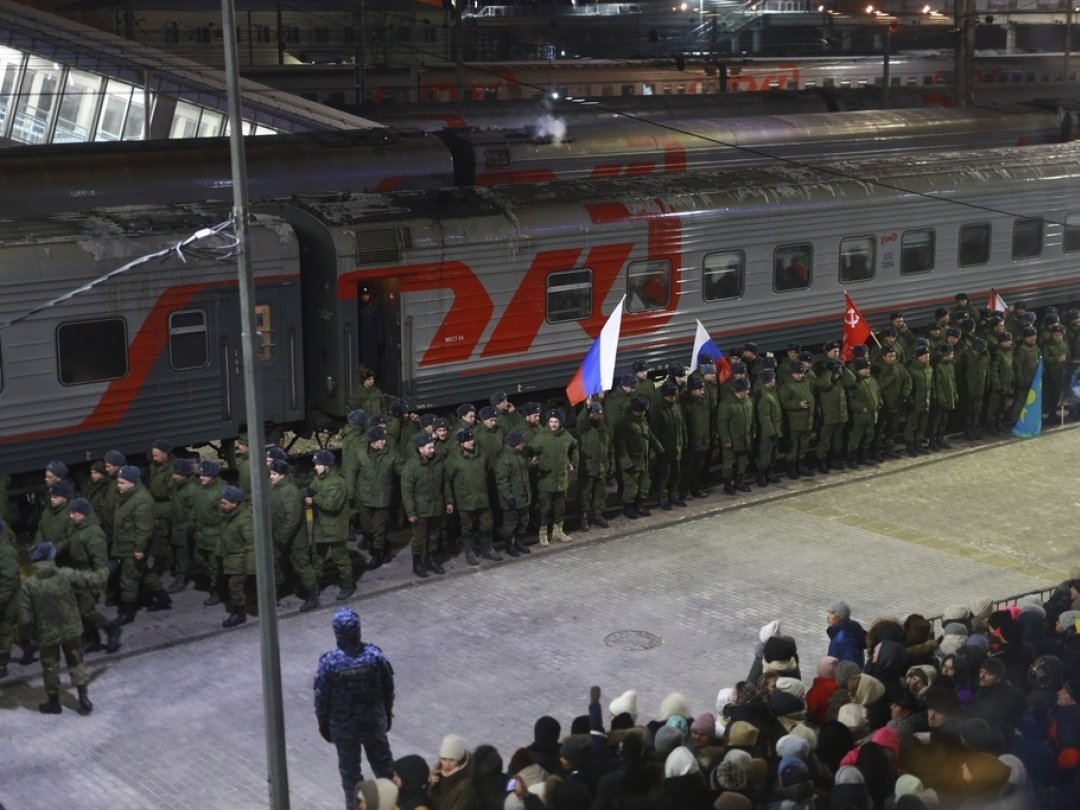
point(382, 246)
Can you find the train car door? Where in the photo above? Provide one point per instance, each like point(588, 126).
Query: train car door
point(378, 332)
point(277, 353)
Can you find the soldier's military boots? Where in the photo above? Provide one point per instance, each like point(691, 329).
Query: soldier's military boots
point(433, 565)
point(113, 631)
point(161, 601)
point(639, 507)
point(345, 591)
point(212, 600)
point(729, 487)
point(178, 586)
point(511, 547)
point(85, 706)
point(665, 505)
point(419, 566)
point(51, 706)
point(944, 445)
point(237, 618)
point(804, 470)
point(524, 549)
point(599, 522)
point(126, 614)
point(762, 480)
point(93, 642)
point(823, 467)
point(29, 648)
point(583, 524)
point(630, 512)
point(772, 479)
point(310, 604)
point(679, 502)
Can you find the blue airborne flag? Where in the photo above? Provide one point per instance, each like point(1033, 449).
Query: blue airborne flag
point(1030, 422)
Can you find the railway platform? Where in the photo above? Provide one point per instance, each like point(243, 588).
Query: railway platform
point(671, 602)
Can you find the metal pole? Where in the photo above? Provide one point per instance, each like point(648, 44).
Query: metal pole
point(885, 67)
point(1068, 37)
point(273, 711)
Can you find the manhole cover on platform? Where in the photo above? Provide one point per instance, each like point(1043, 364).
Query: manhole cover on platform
point(633, 640)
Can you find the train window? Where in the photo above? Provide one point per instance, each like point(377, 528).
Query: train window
point(793, 267)
point(648, 285)
point(974, 244)
point(496, 158)
point(857, 259)
point(1071, 235)
point(722, 275)
point(828, 82)
point(189, 345)
point(91, 351)
point(264, 329)
point(569, 296)
point(1027, 241)
point(916, 252)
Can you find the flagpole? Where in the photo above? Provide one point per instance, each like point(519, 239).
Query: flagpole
point(874, 336)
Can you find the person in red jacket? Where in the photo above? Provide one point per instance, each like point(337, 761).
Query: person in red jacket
point(817, 698)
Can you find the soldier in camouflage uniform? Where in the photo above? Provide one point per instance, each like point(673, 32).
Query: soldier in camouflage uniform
point(423, 494)
point(615, 405)
point(797, 400)
point(467, 485)
point(632, 442)
point(735, 426)
point(10, 583)
point(1025, 360)
point(668, 425)
point(47, 609)
point(1055, 353)
point(864, 405)
point(509, 418)
point(207, 519)
point(700, 429)
point(594, 458)
point(133, 531)
point(99, 484)
point(160, 485)
point(288, 527)
point(514, 491)
point(894, 383)
point(87, 551)
point(328, 500)
point(54, 525)
point(976, 373)
point(182, 522)
point(769, 414)
point(944, 397)
point(833, 399)
point(237, 546)
point(1002, 385)
point(922, 380)
point(369, 398)
point(555, 456)
point(354, 704)
point(375, 482)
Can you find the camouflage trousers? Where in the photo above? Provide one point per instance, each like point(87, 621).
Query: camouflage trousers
point(50, 664)
point(379, 758)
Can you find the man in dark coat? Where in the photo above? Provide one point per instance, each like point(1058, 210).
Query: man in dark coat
point(354, 703)
point(371, 331)
point(996, 701)
point(847, 638)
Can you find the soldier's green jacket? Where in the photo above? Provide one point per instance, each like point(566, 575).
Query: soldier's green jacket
point(243, 474)
point(9, 581)
point(865, 401)
point(594, 445)
point(894, 382)
point(510, 420)
point(770, 414)
point(423, 487)
point(1055, 352)
point(976, 373)
point(409, 429)
point(207, 514)
point(287, 524)
point(489, 441)
point(669, 427)
point(1025, 360)
point(555, 452)
point(47, 600)
point(1001, 372)
point(633, 439)
point(467, 479)
point(107, 513)
point(615, 405)
point(944, 385)
point(373, 477)
point(370, 400)
point(97, 495)
point(329, 506)
point(791, 395)
point(183, 510)
point(512, 478)
point(697, 417)
point(833, 398)
point(353, 445)
point(735, 422)
point(87, 548)
point(161, 485)
point(133, 522)
point(237, 542)
point(922, 383)
point(54, 526)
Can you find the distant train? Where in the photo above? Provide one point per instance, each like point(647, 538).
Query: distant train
point(501, 287)
point(599, 78)
point(40, 179)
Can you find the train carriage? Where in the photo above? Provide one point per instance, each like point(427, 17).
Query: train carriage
point(153, 352)
point(505, 287)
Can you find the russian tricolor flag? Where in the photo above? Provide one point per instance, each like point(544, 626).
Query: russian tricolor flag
point(597, 371)
point(703, 344)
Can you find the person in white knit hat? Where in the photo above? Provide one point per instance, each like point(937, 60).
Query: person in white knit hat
point(452, 777)
point(626, 703)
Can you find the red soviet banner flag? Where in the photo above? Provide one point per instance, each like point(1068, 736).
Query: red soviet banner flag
point(856, 329)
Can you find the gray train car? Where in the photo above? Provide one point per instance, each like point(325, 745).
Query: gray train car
point(152, 353)
point(506, 287)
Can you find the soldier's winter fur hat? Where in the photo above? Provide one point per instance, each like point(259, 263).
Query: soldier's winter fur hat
point(43, 551)
point(57, 468)
point(376, 433)
point(183, 466)
point(164, 445)
point(557, 413)
point(515, 438)
point(422, 438)
point(323, 457)
point(347, 624)
point(80, 505)
point(276, 453)
point(63, 490)
point(488, 412)
point(232, 494)
point(497, 398)
point(279, 467)
point(358, 418)
point(131, 473)
point(114, 458)
point(464, 409)
point(209, 468)
point(531, 408)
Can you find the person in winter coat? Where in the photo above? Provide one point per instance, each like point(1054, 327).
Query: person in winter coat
point(47, 609)
point(237, 553)
point(514, 493)
point(996, 701)
point(555, 455)
point(632, 441)
point(817, 697)
point(594, 442)
point(847, 638)
point(794, 790)
point(452, 786)
point(411, 774)
point(684, 789)
point(489, 778)
point(328, 498)
point(372, 489)
point(354, 703)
